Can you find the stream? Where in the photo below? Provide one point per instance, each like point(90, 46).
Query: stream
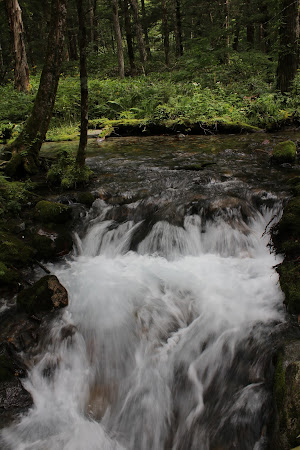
point(174, 309)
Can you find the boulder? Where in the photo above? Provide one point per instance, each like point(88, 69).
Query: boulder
point(284, 152)
point(52, 212)
point(47, 294)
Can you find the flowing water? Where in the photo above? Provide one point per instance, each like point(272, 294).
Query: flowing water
point(168, 339)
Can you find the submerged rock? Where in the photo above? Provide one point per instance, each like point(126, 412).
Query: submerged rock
point(47, 294)
point(284, 152)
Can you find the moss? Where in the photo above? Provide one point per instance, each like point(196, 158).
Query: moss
point(289, 225)
point(41, 296)
point(86, 198)
point(46, 211)
point(289, 273)
point(137, 127)
point(44, 246)
point(279, 383)
point(284, 152)
point(8, 276)
point(14, 251)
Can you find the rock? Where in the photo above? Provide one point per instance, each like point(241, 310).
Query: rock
point(8, 277)
point(287, 398)
point(50, 244)
point(46, 211)
point(86, 198)
point(13, 251)
point(47, 294)
point(284, 152)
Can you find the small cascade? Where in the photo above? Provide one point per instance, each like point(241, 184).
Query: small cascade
point(168, 346)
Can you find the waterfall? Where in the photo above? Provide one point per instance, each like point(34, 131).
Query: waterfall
point(168, 346)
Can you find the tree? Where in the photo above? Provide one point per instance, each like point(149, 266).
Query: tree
point(145, 29)
point(80, 158)
point(139, 32)
point(24, 151)
point(128, 32)
point(288, 54)
point(177, 28)
point(16, 25)
point(118, 38)
point(165, 31)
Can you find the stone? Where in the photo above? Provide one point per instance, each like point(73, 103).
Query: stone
point(47, 294)
point(284, 152)
point(52, 212)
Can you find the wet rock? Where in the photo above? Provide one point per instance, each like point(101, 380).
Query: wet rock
point(287, 398)
point(284, 152)
point(49, 244)
point(14, 399)
point(13, 251)
point(47, 294)
point(86, 198)
point(46, 211)
point(8, 277)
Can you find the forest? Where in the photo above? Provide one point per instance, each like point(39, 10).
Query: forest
point(216, 64)
point(149, 224)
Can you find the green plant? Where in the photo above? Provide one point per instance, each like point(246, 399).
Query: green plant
point(65, 172)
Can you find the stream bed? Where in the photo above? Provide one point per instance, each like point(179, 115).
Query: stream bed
point(175, 309)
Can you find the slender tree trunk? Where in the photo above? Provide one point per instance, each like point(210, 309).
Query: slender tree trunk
point(235, 44)
point(288, 59)
point(165, 31)
point(227, 12)
point(118, 38)
point(72, 41)
point(177, 28)
point(139, 32)
point(80, 158)
point(24, 151)
point(17, 28)
point(129, 38)
point(145, 29)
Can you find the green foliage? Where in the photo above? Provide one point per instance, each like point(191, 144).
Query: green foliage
point(13, 195)
point(66, 173)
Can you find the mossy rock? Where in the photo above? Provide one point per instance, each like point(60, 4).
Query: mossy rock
point(284, 152)
point(44, 246)
point(46, 211)
point(289, 225)
point(47, 294)
point(289, 273)
point(86, 198)
point(8, 277)
point(13, 251)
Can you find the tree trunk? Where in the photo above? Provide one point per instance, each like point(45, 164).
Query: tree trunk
point(118, 38)
point(17, 28)
point(24, 151)
point(145, 28)
point(177, 28)
point(227, 12)
point(80, 158)
point(139, 32)
point(236, 39)
point(165, 31)
point(72, 41)
point(288, 58)
point(128, 32)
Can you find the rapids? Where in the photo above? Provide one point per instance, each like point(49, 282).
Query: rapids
point(168, 339)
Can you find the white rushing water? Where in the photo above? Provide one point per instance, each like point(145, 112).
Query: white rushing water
point(160, 348)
